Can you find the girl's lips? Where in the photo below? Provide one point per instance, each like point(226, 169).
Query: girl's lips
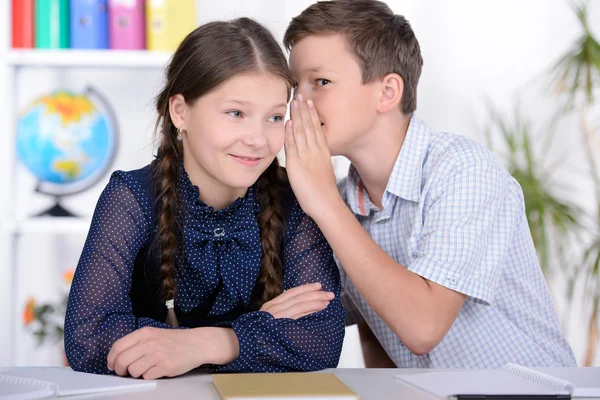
point(247, 161)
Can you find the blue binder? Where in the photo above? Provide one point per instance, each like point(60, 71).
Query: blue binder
point(89, 24)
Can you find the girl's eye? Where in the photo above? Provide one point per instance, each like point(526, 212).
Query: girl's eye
point(276, 118)
point(235, 113)
point(323, 82)
point(295, 86)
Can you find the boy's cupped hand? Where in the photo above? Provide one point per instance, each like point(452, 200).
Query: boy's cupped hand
point(308, 160)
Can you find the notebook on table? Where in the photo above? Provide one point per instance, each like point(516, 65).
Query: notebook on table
point(286, 386)
point(41, 382)
point(512, 380)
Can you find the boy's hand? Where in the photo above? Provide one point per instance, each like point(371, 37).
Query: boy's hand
point(308, 161)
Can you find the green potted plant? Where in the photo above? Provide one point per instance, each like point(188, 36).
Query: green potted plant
point(576, 79)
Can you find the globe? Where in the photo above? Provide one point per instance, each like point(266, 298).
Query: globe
point(67, 141)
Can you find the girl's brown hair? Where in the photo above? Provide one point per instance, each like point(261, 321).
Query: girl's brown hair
point(207, 57)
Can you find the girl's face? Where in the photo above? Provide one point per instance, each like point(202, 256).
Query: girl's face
point(233, 133)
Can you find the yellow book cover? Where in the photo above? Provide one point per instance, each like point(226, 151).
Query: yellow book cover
point(168, 22)
point(181, 20)
point(287, 386)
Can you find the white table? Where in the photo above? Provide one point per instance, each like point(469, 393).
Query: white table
point(370, 384)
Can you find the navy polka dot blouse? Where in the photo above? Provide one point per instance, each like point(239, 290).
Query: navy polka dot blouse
point(117, 287)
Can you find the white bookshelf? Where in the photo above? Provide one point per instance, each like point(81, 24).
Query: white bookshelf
point(88, 58)
point(37, 234)
point(48, 225)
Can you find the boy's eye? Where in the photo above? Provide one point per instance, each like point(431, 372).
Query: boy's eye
point(276, 118)
point(295, 86)
point(323, 82)
point(235, 113)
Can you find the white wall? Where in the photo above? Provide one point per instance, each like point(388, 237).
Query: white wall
point(471, 49)
point(502, 50)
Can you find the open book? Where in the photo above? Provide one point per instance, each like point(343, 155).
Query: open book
point(41, 382)
point(512, 380)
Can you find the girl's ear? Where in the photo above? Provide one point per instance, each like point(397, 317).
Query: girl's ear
point(392, 88)
point(177, 109)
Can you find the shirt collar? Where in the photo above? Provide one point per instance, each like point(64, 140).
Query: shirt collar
point(405, 179)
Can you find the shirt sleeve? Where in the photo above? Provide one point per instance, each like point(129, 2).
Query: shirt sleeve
point(468, 222)
point(99, 310)
point(353, 316)
point(313, 342)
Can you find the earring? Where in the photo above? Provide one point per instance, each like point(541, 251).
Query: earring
point(179, 132)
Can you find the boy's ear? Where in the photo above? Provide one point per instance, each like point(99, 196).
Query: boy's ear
point(392, 88)
point(177, 110)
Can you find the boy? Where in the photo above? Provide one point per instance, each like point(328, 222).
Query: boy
point(430, 230)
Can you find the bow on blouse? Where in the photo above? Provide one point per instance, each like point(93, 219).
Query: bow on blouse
point(222, 253)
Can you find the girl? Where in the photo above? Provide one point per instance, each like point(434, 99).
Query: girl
point(209, 236)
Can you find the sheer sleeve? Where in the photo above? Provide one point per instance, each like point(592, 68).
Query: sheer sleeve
point(353, 316)
point(310, 343)
point(99, 310)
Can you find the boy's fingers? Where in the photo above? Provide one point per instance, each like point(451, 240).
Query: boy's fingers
point(316, 121)
point(307, 124)
point(290, 143)
point(297, 127)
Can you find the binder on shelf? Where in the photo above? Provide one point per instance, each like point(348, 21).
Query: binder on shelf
point(22, 24)
point(168, 22)
point(52, 24)
point(127, 24)
point(89, 24)
point(180, 21)
point(156, 25)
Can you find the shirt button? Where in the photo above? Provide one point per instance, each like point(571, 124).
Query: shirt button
point(219, 232)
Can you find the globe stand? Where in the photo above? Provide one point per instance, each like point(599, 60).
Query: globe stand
point(56, 211)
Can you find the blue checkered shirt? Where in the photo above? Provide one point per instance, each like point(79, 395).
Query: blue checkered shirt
point(453, 215)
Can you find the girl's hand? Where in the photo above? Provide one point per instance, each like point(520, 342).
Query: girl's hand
point(308, 161)
point(154, 353)
point(298, 302)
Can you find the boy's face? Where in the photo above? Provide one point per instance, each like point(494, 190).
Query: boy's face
point(327, 73)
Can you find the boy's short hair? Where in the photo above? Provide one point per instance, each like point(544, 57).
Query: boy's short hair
point(382, 42)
